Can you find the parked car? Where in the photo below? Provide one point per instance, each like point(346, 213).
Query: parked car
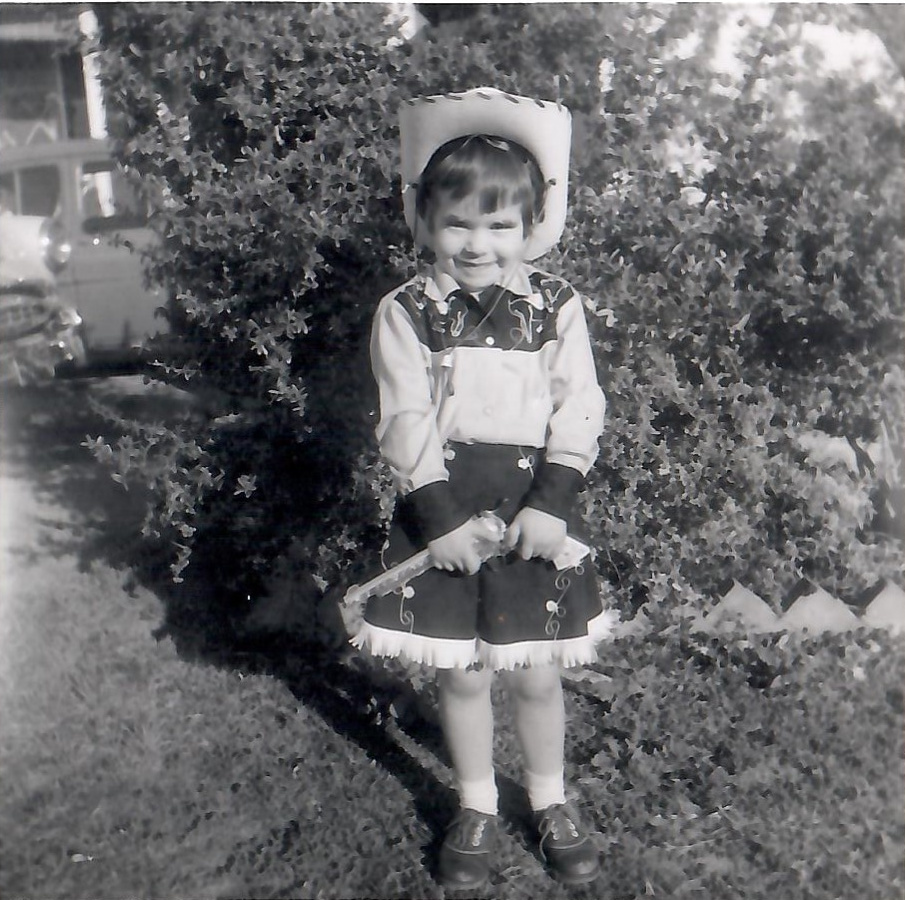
point(38, 331)
point(77, 184)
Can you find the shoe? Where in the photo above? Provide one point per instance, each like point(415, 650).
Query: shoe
point(565, 845)
point(465, 855)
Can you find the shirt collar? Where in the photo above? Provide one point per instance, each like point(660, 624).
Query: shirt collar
point(439, 285)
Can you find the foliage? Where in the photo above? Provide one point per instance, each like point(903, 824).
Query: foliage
point(698, 731)
point(745, 278)
point(145, 756)
point(267, 776)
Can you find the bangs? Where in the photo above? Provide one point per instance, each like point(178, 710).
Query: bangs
point(498, 173)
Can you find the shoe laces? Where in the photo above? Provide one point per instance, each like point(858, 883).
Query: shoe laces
point(557, 823)
point(469, 827)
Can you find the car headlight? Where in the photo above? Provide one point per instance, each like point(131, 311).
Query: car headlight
point(54, 246)
point(68, 317)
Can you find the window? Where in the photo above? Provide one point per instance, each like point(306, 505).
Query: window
point(107, 201)
point(31, 192)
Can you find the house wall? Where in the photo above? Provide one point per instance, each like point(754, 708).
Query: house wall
point(42, 88)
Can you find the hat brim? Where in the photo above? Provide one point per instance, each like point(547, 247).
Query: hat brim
point(542, 127)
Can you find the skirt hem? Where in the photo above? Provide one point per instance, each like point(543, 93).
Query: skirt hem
point(440, 653)
point(446, 653)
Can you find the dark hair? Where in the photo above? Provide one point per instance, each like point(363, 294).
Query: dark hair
point(501, 172)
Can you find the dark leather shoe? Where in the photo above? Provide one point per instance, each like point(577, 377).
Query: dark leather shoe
point(465, 855)
point(565, 844)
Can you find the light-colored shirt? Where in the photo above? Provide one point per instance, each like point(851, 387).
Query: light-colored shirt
point(513, 366)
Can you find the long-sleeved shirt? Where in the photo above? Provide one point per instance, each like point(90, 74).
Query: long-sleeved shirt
point(513, 366)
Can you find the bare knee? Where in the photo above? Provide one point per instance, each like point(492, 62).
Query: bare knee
point(464, 684)
point(537, 684)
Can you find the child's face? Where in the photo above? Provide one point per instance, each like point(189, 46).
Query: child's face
point(477, 249)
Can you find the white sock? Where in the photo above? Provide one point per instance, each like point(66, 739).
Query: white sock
point(479, 795)
point(545, 790)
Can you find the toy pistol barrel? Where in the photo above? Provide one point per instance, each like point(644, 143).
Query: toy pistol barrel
point(390, 580)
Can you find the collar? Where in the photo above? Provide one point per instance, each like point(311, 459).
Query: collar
point(439, 285)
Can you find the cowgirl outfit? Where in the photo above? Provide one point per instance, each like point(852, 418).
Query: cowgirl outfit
point(487, 403)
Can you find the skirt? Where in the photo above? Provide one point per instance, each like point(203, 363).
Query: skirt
point(512, 612)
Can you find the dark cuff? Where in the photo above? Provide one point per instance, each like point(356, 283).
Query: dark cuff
point(555, 490)
point(434, 510)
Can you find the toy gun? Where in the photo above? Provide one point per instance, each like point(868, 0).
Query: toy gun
point(572, 553)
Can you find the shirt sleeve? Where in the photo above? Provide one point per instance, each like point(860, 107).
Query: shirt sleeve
point(579, 407)
point(407, 431)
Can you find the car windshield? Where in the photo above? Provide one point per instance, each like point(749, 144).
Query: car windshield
point(107, 202)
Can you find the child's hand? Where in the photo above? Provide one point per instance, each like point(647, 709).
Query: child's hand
point(535, 533)
point(457, 550)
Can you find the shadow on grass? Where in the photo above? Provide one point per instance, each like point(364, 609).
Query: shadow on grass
point(83, 512)
point(357, 702)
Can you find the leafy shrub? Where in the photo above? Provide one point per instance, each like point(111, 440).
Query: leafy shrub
point(696, 737)
point(746, 278)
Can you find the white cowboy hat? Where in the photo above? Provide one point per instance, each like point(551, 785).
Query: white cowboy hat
point(542, 127)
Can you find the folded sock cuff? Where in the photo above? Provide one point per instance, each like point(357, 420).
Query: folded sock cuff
point(480, 795)
point(545, 790)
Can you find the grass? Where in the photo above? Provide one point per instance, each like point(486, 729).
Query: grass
point(147, 754)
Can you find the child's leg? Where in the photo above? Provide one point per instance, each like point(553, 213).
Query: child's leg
point(540, 727)
point(466, 715)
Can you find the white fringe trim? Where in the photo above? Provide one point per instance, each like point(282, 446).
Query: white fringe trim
point(441, 653)
point(446, 653)
point(568, 652)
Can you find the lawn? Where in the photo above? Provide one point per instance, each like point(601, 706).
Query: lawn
point(146, 753)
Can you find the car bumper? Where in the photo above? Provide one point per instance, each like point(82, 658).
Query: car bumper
point(37, 334)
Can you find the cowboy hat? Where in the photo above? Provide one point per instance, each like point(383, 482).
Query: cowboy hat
point(542, 127)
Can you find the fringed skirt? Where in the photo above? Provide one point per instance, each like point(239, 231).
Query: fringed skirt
point(511, 613)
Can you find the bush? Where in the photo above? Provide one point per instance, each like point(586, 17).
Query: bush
point(746, 279)
point(695, 737)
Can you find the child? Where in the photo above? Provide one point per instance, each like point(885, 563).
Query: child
point(489, 401)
